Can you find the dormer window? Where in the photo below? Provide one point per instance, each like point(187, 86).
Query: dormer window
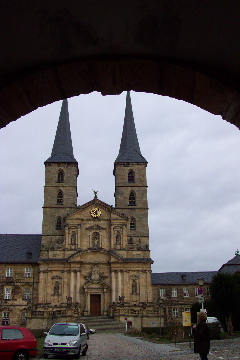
point(131, 176)
point(60, 178)
point(28, 254)
point(60, 198)
point(132, 199)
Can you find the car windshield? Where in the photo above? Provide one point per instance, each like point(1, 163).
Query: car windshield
point(64, 330)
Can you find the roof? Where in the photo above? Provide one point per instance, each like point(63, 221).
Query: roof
point(15, 248)
point(129, 148)
point(182, 277)
point(232, 265)
point(62, 151)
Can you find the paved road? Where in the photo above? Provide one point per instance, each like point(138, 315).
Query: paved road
point(121, 347)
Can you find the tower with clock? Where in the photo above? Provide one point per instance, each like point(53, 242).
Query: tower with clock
point(95, 258)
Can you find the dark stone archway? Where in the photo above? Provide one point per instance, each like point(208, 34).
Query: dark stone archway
point(52, 50)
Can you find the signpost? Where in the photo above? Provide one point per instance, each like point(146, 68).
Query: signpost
point(186, 318)
point(200, 292)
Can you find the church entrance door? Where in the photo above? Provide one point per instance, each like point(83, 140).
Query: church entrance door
point(95, 305)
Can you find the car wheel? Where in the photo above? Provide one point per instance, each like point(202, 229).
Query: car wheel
point(21, 355)
point(45, 356)
point(84, 352)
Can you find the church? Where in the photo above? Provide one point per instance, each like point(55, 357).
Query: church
point(92, 259)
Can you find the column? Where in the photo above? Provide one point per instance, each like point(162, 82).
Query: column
point(119, 283)
point(104, 302)
point(124, 284)
point(65, 289)
point(66, 236)
point(78, 287)
point(113, 287)
point(72, 285)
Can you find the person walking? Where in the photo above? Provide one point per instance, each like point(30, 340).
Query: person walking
point(201, 336)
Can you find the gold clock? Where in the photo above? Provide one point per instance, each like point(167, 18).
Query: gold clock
point(95, 212)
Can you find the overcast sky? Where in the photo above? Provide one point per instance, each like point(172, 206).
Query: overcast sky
point(193, 173)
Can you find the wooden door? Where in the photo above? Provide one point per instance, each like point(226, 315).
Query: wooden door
point(95, 304)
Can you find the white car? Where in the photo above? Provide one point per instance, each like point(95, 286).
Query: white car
point(212, 319)
point(66, 339)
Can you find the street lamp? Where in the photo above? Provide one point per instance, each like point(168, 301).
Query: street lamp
point(200, 292)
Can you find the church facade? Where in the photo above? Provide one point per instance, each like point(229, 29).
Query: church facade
point(93, 259)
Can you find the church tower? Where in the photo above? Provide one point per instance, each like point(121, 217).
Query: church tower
point(131, 182)
point(60, 190)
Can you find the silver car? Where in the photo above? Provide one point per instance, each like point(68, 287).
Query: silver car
point(66, 339)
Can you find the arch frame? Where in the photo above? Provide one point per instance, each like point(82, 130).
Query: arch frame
point(113, 76)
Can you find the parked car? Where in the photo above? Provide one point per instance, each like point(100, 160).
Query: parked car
point(214, 320)
point(17, 343)
point(66, 339)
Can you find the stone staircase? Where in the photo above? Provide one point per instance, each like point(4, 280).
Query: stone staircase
point(102, 324)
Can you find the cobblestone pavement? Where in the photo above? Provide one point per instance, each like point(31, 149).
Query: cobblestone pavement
point(121, 347)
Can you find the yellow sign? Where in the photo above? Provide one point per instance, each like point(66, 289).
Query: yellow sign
point(186, 318)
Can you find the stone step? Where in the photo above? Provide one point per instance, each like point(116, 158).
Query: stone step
point(101, 324)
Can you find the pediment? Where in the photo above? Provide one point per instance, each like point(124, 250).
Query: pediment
point(95, 210)
point(91, 255)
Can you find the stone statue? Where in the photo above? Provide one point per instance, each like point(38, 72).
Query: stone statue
point(95, 194)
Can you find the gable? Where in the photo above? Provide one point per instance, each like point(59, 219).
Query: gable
point(95, 211)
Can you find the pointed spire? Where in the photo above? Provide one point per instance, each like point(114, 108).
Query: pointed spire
point(62, 150)
point(129, 148)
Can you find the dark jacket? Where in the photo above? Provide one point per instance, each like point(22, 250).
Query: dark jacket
point(201, 338)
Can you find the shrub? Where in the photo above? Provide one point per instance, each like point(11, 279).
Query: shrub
point(215, 331)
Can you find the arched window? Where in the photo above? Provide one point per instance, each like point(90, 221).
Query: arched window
point(132, 223)
point(59, 224)
point(60, 197)
point(96, 240)
point(60, 176)
point(131, 176)
point(132, 199)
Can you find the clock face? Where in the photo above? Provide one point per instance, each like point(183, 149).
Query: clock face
point(95, 212)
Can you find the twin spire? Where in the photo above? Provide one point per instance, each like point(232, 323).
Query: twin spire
point(62, 151)
point(129, 148)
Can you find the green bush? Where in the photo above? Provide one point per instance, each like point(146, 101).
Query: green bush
point(152, 330)
point(215, 331)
